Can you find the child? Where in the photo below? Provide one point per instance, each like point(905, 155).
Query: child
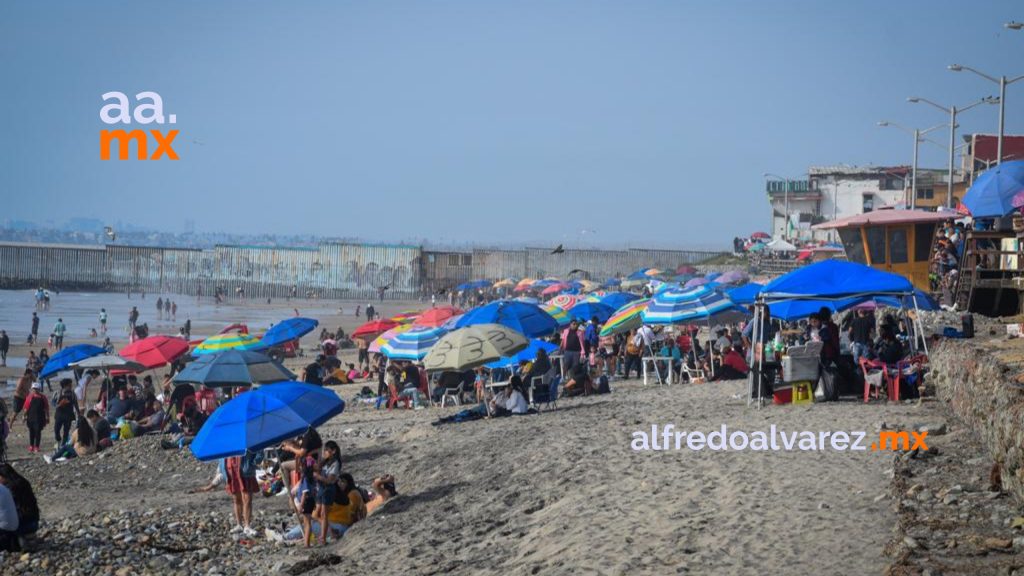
point(307, 495)
point(327, 479)
point(37, 416)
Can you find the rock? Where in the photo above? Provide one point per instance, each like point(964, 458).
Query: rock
point(880, 497)
point(911, 543)
point(823, 506)
point(924, 495)
point(950, 499)
point(932, 428)
point(1018, 544)
point(997, 543)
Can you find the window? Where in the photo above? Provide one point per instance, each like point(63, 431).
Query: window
point(869, 203)
point(876, 244)
point(898, 245)
point(453, 259)
point(467, 259)
point(890, 184)
point(853, 245)
point(925, 193)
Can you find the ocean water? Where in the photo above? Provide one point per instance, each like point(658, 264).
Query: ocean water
point(80, 312)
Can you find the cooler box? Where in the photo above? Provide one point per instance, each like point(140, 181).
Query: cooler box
point(801, 362)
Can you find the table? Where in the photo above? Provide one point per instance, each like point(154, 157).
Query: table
point(644, 361)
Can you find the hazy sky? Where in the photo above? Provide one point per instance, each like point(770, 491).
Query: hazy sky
point(641, 122)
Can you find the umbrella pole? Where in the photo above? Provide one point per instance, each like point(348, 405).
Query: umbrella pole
point(919, 325)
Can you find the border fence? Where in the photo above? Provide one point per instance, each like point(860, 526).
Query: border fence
point(330, 270)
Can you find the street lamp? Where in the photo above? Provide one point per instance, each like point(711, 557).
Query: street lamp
point(952, 111)
point(1002, 81)
point(918, 133)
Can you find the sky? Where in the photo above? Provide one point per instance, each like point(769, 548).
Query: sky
point(634, 123)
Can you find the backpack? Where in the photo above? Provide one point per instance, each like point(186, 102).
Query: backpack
point(632, 348)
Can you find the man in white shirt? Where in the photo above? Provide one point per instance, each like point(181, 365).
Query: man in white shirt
point(516, 402)
point(83, 387)
point(646, 335)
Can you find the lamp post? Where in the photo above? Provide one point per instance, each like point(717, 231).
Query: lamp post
point(917, 133)
point(1003, 82)
point(952, 111)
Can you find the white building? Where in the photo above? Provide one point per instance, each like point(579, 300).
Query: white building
point(831, 193)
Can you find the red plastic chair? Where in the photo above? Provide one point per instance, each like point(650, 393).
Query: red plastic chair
point(870, 367)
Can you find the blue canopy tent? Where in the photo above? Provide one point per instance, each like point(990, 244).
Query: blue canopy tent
point(833, 284)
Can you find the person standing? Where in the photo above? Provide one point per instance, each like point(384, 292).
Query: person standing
point(58, 334)
point(174, 311)
point(37, 416)
point(188, 329)
point(5, 347)
point(159, 308)
point(133, 317)
point(572, 347)
point(35, 329)
point(861, 330)
point(65, 408)
point(240, 472)
point(103, 321)
point(21, 392)
point(370, 312)
point(167, 309)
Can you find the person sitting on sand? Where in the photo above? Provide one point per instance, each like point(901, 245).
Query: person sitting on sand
point(83, 442)
point(25, 506)
point(347, 509)
point(580, 382)
point(383, 490)
point(510, 401)
point(101, 428)
point(733, 367)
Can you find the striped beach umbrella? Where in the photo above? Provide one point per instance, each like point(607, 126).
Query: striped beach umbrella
point(412, 344)
point(559, 314)
point(625, 318)
point(386, 337)
point(677, 306)
point(229, 341)
point(564, 301)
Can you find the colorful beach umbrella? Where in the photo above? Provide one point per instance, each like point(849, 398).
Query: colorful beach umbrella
point(66, 356)
point(155, 351)
point(374, 328)
point(732, 277)
point(412, 344)
point(564, 301)
point(525, 284)
point(264, 417)
point(437, 316)
point(561, 315)
point(686, 269)
point(231, 341)
point(626, 318)
point(288, 330)
point(386, 337)
point(554, 288)
point(473, 346)
point(677, 306)
point(695, 282)
point(528, 319)
point(588, 285)
point(231, 368)
point(506, 283)
point(760, 236)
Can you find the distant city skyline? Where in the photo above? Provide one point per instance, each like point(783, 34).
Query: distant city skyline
point(586, 123)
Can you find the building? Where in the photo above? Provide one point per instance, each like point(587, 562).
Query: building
point(980, 151)
point(832, 193)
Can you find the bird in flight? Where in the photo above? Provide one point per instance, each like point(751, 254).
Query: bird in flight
point(558, 250)
point(109, 231)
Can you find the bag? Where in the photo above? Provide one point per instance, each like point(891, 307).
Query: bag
point(124, 431)
point(247, 467)
point(632, 348)
point(827, 389)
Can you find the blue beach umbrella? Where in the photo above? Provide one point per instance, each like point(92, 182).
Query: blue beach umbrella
point(618, 299)
point(263, 417)
point(287, 330)
point(745, 294)
point(61, 360)
point(412, 344)
point(527, 319)
point(527, 354)
point(612, 282)
point(992, 193)
point(586, 310)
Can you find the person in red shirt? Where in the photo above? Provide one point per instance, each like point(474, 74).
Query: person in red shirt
point(37, 415)
point(734, 367)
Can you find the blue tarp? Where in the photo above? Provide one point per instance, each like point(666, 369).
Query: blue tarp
point(835, 280)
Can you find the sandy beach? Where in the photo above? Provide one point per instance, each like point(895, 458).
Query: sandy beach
point(553, 493)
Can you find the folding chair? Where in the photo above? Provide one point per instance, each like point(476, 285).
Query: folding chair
point(455, 394)
point(876, 376)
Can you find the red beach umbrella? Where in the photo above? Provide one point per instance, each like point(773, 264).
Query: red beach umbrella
point(155, 351)
point(437, 316)
point(371, 330)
